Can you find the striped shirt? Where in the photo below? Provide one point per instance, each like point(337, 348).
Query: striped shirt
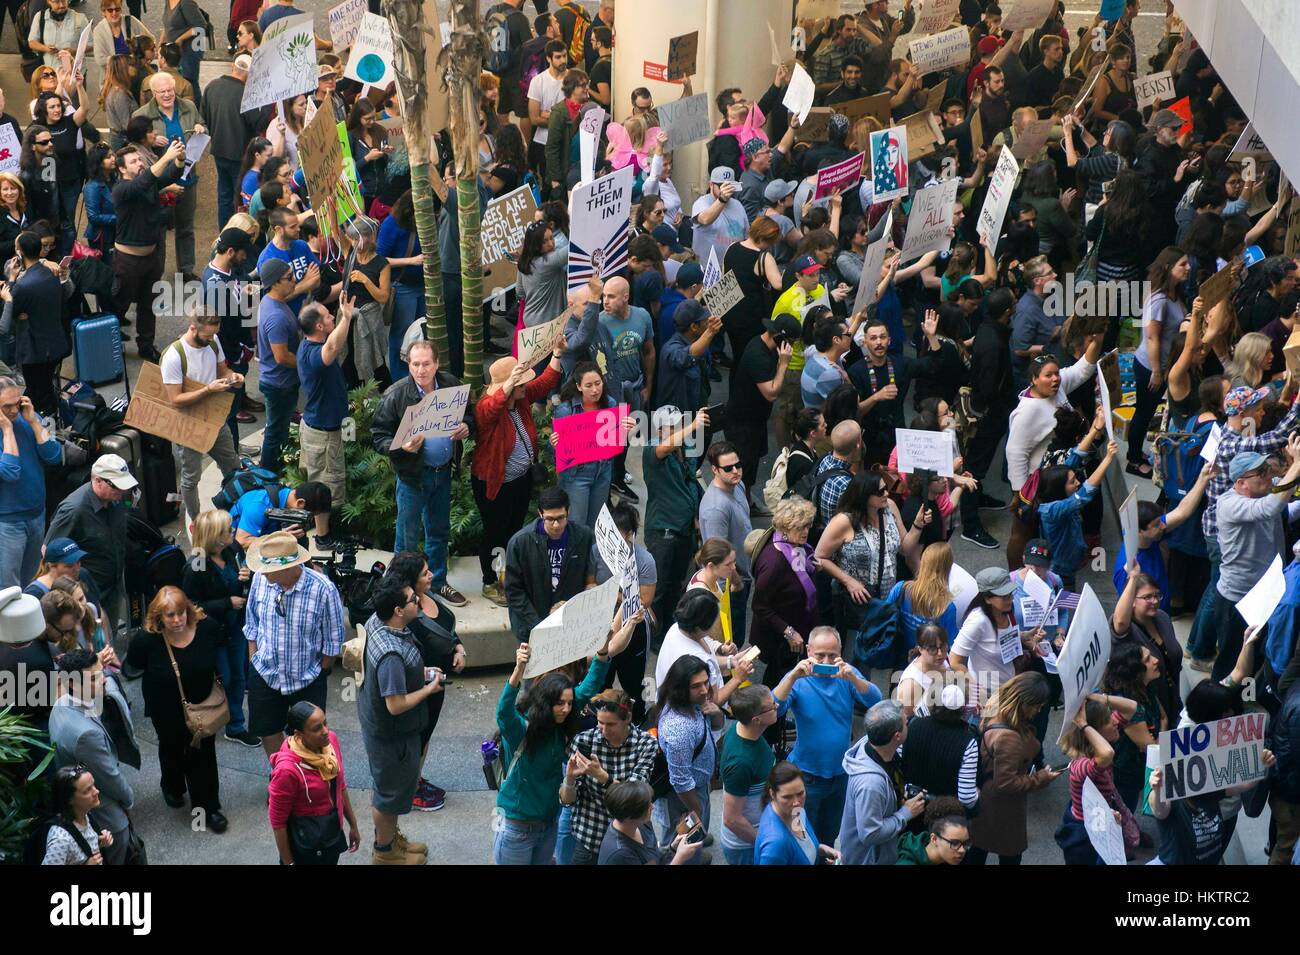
point(293, 629)
point(828, 497)
point(633, 760)
point(1231, 444)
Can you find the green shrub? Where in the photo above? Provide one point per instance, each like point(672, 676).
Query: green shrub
point(20, 784)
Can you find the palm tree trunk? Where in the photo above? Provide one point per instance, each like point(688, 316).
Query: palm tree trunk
point(463, 67)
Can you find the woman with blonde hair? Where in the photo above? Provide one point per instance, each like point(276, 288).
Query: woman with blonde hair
point(45, 80)
point(784, 602)
point(1251, 359)
point(13, 199)
point(926, 598)
point(112, 37)
point(178, 653)
point(716, 559)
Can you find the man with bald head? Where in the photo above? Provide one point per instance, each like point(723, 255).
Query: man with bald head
point(633, 371)
point(175, 118)
point(232, 130)
point(836, 470)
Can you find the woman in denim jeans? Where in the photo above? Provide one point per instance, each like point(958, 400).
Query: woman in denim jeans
point(586, 484)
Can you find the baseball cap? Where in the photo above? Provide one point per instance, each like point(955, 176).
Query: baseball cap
point(666, 416)
point(784, 325)
point(63, 550)
point(243, 62)
point(778, 189)
point(995, 581)
point(989, 44)
point(806, 265)
point(111, 468)
point(1242, 399)
point(272, 270)
point(234, 239)
point(721, 174)
point(1165, 118)
point(665, 234)
point(1243, 464)
point(689, 274)
point(688, 313)
point(1038, 553)
point(324, 71)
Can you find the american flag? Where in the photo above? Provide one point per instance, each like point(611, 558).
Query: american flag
point(1067, 601)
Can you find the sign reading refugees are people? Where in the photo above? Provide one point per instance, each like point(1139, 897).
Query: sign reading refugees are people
point(599, 226)
point(504, 221)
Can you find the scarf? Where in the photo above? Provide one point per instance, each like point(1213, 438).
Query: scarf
point(751, 128)
point(573, 108)
point(799, 566)
point(326, 763)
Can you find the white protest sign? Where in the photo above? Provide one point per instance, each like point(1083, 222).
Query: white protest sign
point(1128, 522)
point(345, 22)
point(929, 225)
point(935, 15)
point(924, 451)
point(284, 65)
point(195, 147)
point(437, 415)
point(1103, 831)
point(1211, 446)
point(1152, 87)
point(685, 121)
point(941, 51)
point(1250, 144)
point(712, 271)
point(777, 58)
point(1262, 599)
point(723, 295)
point(589, 128)
point(963, 588)
point(821, 301)
point(1084, 655)
point(533, 343)
point(998, 198)
point(371, 60)
point(576, 630)
point(1106, 409)
point(873, 260)
point(599, 226)
point(11, 149)
point(1210, 757)
point(610, 544)
point(800, 93)
point(80, 58)
point(1026, 14)
point(1038, 593)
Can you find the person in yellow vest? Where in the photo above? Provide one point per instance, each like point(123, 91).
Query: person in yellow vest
point(808, 290)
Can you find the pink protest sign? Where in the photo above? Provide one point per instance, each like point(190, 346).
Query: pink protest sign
point(589, 436)
point(835, 179)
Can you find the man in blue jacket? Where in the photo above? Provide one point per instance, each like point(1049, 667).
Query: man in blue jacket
point(25, 450)
point(873, 817)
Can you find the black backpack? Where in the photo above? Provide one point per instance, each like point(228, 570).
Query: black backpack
point(496, 26)
point(34, 847)
point(659, 771)
point(810, 486)
point(249, 477)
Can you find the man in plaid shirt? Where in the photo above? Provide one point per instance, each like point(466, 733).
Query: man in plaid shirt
point(616, 750)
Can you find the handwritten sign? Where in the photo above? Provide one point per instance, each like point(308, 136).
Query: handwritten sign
point(923, 134)
point(80, 58)
point(873, 261)
point(924, 451)
point(535, 342)
point(284, 65)
point(1084, 654)
point(930, 222)
point(888, 149)
point(599, 226)
point(1153, 88)
point(941, 51)
point(1099, 821)
point(1210, 757)
point(1033, 139)
point(1216, 288)
point(816, 128)
point(935, 15)
point(437, 415)
point(1027, 14)
point(619, 559)
point(998, 198)
point(723, 295)
point(1128, 523)
point(685, 121)
point(589, 127)
point(371, 61)
point(195, 426)
point(800, 93)
point(589, 436)
point(345, 23)
point(504, 221)
point(1250, 144)
point(11, 149)
point(574, 631)
point(834, 179)
point(682, 51)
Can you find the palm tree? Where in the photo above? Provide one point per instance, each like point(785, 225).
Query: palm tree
point(463, 60)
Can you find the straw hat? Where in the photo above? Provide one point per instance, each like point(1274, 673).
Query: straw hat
point(278, 551)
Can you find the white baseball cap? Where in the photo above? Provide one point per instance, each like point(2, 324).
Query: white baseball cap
point(111, 468)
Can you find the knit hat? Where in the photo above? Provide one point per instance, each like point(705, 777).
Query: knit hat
point(273, 270)
point(1242, 399)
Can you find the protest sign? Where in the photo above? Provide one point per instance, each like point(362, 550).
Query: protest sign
point(800, 93)
point(935, 15)
point(504, 222)
point(437, 415)
point(712, 271)
point(589, 436)
point(963, 588)
point(599, 226)
point(816, 128)
point(889, 163)
point(371, 60)
point(610, 543)
point(929, 224)
point(685, 121)
point(589, 128)
point(976, 130)
point(195, 147)
point(195, 426)
point(1108, 364)
point(1033, 139)
point(345, 22)
point(817, 9)
point(1291, 244)
point(1250, 144)
point(1084, 655)
point(874, 106)
point(1103, 831)
point(80, 58)
point(1128, 522)
point(576, 630)
point(924, 451)
point(682, 51)
point(723, 295)
point(284, 65)
point(996, 201)
point(1291, 350)
point(1211, 446)
point(1111, 9)
point(1216, 288)
point(11, 149)
point(1183, 108)
point(1210, 757)
point(834, 179)
point(321, 154)
point(934, 98)
point(1262, 599)
point(1036, 603)
point(1107, 407)
point(923, 134)
point(535, 342)
point(873, 260)
point(1026, 15)
point(1153, 88)
point(941, 51)
point(777, 57)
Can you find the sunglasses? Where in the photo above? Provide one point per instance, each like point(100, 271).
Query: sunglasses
point(727, 467)
point(43, 142)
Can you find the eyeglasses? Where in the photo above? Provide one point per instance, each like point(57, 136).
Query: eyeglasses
point(1149, 598)
point(728, 467)
point(962, 844)
point(555, 520)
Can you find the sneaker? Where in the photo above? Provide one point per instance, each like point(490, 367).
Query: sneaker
point(1201, 666)
point(218, 822)
point(428, 802)
point(418, 848)
point(494, 593)
point(621, 488)
point(452, 596)
point(243, 737)
point(250, 450)
point(988, 502)
point(979, 537)
point(394, 855)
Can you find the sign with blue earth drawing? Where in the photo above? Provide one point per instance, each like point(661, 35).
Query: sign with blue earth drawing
point(371, 61)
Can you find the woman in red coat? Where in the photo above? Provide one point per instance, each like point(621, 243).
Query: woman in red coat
point(308, 801)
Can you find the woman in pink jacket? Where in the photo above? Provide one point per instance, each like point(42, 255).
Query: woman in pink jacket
point(309, 795)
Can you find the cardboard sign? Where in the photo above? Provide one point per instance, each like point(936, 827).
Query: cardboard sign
point(504, 222)
point(574, 631)
point(800, 93)
point(535, 342)
point(976, 130)
point(934, 97)
point(195, 427)
point(935, 15)
point(1210, 757)
point(599, 226)
point(437, 415)
point(834, 179)
point(923, 135)
point(998, 198)
point(371, 61)
point(589, 436)
point(1107, 364)
point(817, 9)
point(1128, 522)
point(889, 160)
point(930, 221)
point(11, 149)
point(1103, 831)
point(284, 65)
point(685, 121)
point(1292, 242)
point(1292, 352)
point(1250, 144)
point(873, 260)
point(876, 107)
point(1033, 139)
point(924, 451)
point(345, 22)
point(1153, 88)
point(1262, 599)
point(723, 295)
point(1084, 655)
point(1026, 14)
point(817, 127)
point(942, 51)
point(1216, 288)
point(682, 51)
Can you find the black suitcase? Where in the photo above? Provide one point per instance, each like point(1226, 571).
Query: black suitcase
point(159, 498)
point(126, 443)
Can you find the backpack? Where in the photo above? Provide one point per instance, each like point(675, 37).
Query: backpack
point(776, 489)
point(810, 487)
point(532, 62)
point(581, 24)
point(496, 26)
point(658, 780)
point(1178, 458)
point(249, 477)
point(34, 847)
point(185, 360)
point(30, 58)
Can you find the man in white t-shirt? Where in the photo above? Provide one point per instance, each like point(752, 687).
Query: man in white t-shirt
point(544, 91)
point(719, 217)
point(197, 355)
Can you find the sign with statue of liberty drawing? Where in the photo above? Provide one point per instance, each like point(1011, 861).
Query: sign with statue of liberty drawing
point(284, 65)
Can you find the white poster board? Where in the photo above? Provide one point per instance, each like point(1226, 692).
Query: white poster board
point(589, 127)
point(963, 588)
point(685, 121)
point(1251, 144)
point(1128, 522)
point(724, 295)
point(1152, 87)
point(998, 198)
point(371, 60)
point(284, 65)
point(940, 51)
point(345, 22)
point(873, 260)
point(437, 415)
point(1262, 599)
point(800, 93)
point(80, 58)
point(1026, 14)
point(935, 15)
point(599, 226)
point(1106, 408)
point(1084, 655)
point(924, 451)
point(1104, 832)
point(576, 630)
point(1209, 757)
point(11, 149)
point(929, 225)
point(1211, 446)
point(712, 271)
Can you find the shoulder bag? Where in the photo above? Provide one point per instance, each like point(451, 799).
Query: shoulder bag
point(874, 632)
point(201, 719)
point(318, 840)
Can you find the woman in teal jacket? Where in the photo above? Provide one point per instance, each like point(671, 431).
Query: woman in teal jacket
point(535, 733)
point(785, 836)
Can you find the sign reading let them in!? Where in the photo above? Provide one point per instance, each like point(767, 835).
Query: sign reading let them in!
point(437, 415)
point(195, 427)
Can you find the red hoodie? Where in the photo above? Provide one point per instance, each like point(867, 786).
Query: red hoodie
point(298, 790)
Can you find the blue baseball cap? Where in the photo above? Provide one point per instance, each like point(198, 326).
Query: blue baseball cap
point(63, 550)
point(1243, 464)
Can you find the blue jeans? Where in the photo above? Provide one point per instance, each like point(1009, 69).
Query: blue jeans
point(427, 503)
point(519, 844)
point(451, 297)
point(588, 488)
point(407, 309)
point(232, 663)
point(670, 809)
point(1203, 639)
point(227, 188)
point(69, 193)
point(564, 841)
point(189, 67)
point(281, 403)
point(739, 856)
point(824, 804)
point(20, 550)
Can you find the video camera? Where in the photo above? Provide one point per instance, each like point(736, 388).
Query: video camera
point(287, 518)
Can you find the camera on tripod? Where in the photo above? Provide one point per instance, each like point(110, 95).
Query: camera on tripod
point(287, 518)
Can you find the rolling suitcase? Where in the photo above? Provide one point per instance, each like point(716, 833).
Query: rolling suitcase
point(160, 498)
point(97, 349)
point(127, 444)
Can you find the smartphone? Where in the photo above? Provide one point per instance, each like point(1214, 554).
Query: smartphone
point(688, 823)
point(825, 669)
point(1064, 767)
point(65, 261)
point(717, 419)
point(696, 836)
point(585, 749)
